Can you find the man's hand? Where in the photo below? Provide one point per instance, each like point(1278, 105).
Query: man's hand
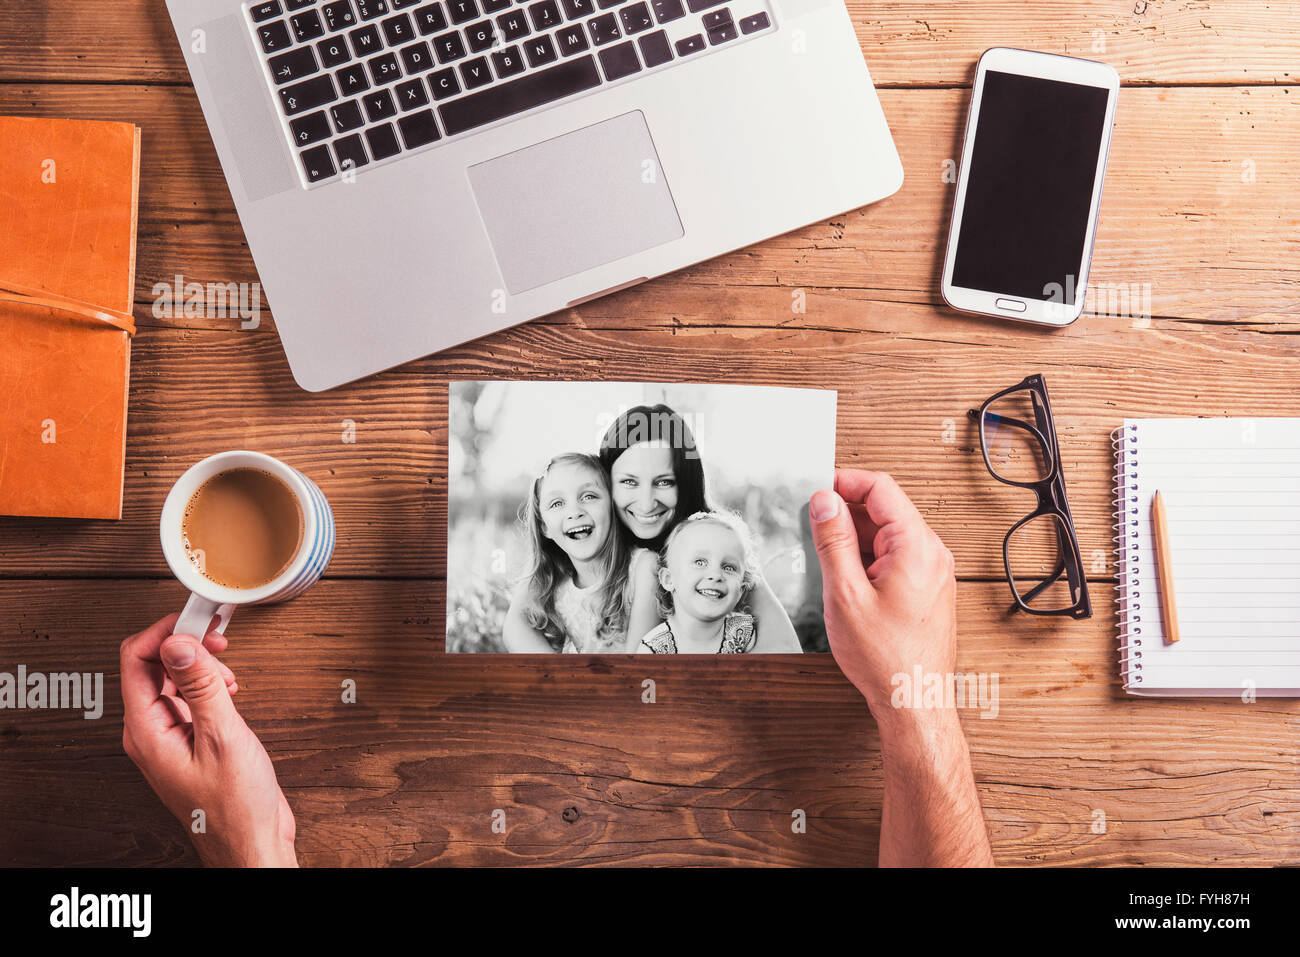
point(890, 591)
point(890, 599)
point(182, 730)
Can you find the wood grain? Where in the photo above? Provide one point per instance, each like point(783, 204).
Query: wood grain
point(906, 42)
point(1199, 208)
point(709, 774)
point(905, 376)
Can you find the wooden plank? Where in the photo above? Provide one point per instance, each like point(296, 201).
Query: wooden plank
point(906, 376)
point(906, 42)
point(1149, 43)
point(709, 774)
point(1181, 225)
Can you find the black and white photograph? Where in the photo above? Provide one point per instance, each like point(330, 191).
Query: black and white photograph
point(635, 518)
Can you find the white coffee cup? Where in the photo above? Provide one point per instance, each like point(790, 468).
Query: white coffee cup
point(207, 598)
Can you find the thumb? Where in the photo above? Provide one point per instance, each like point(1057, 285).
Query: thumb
point(200, 682)
point(836, 538)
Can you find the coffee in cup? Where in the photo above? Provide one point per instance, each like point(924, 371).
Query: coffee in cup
point(242, 528)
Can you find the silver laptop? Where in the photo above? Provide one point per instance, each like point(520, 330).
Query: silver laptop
point(413, 174)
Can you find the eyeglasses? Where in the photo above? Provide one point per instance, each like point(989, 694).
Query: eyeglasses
point(1041, 551)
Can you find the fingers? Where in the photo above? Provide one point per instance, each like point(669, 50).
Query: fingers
point(836, 539)
point(885, 500)
point(897, 520)
point(866, 529)
point(201, 683)
point(141, 676)
point(227, 675)
point(177, 709)
point(216, 642)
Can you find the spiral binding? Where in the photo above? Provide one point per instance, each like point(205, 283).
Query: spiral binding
point(1128, 597)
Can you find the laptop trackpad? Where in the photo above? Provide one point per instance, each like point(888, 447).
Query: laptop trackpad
point(575, 202)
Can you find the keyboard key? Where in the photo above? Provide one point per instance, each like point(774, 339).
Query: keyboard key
point(603, 29)
point(307, 95)
point(494, 6)
point(539, 51)
point(383, 141)
point(516, 96)
point(444, 84)
point(715, 19)
point(347, 116)
point(274, 36)
point(722, 33)
point(462, 11)
point(513, 25)
point(606, 4)
point(264, 11)
point(572, 40)
point(636, 18)
point(416, 58)
point(619, 61)
point(430, 19)
point(379, 105)
point(298, 4)
point(481, 36)
point(317, 164)
point(339, 15)
point(403, 4)
point(398, 30)
point(384, 68)
point(370, 9)
point(293, 65)
point(333, 52)
point(365, 41)
point(697, 5)
point(689, 45)
point(353, 79)
point(411, 95)
point(655, 49)
point(449, 47)
point(758, 21)
point(310, 129)
point(475, 73)
point(307, 26)
point(578, 9)
point(418, 129)
point(508, 62)
point(667, 10)
point(544, 15)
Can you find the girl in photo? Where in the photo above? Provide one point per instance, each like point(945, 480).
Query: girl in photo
point(657, 480)
point(575, 596)
point(706, 573)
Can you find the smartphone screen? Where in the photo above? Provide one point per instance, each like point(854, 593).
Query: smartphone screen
point(1024, 224)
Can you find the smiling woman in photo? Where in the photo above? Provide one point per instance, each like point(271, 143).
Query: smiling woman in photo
point(657, 478)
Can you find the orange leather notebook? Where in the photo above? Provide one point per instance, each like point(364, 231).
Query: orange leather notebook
point(68, 194)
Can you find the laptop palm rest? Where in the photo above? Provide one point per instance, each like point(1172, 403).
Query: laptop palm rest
point(575, 202)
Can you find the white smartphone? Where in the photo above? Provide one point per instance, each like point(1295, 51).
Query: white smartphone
point(1032, 169)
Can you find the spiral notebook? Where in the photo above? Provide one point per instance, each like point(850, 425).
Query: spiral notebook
point(1232, 494)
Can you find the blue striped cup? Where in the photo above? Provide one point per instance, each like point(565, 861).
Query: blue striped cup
point(209, 599)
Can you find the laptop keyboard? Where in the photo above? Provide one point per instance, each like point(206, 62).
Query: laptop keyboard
point(362, 82)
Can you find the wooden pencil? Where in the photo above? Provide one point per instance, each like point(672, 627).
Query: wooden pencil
point(1165, 560)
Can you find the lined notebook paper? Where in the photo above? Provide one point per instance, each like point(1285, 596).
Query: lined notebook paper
point(1232, 493)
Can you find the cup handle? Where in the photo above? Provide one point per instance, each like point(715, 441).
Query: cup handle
point(198, 613)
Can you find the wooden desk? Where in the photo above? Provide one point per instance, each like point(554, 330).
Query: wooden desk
point(1201, 204)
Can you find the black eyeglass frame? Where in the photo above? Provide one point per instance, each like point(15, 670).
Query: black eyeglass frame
point(1050, 491)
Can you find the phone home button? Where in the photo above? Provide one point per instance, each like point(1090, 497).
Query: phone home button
point(1012, 305)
